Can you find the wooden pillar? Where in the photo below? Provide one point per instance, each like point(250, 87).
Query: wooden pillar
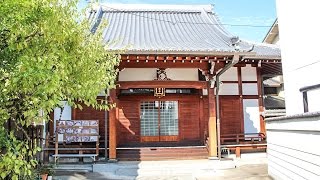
point(241, 100)
point(212, 126)
point(238, 153)
point(201, 124)
point(112, 128)
point(261, 107)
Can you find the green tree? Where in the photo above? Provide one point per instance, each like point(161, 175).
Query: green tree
point(47, 54)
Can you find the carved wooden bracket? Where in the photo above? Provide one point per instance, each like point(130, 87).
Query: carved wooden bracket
point(161, 75)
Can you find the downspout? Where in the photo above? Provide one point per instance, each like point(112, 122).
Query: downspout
point(234, 61)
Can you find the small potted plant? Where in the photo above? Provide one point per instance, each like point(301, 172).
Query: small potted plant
point(46, 172)
point(50, 173)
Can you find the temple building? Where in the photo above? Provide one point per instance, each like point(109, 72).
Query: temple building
point(186, 87)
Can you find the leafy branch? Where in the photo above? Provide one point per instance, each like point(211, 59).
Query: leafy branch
point(48, 55)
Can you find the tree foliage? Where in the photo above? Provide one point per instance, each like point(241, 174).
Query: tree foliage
point(47, 54)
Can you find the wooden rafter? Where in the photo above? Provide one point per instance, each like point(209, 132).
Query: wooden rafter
point(208, 65)
point(162, 84)
point(162, 64)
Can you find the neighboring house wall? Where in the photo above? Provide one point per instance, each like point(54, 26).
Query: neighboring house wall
point(272, 36)
point(292, 146)
point(299, 50)
point(276, 40)
point(293, 151)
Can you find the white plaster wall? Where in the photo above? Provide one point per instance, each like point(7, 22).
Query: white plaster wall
point(183, 74)
point(249, 73)
point(293, 151)
point(229, 89)
point(138, 74)
point(249, 89)
point(251, 116)
point(292, 148)
point(149, 74)
point(230, 75)
point(299, 48)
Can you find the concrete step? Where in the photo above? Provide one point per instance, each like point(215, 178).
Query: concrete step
point(162, 168)
point(162, 153)
point(74, 167)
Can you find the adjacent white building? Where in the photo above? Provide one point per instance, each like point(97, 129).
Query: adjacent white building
point(273, 86)
point(293, 151)
point(299, 31)
point(272, 36)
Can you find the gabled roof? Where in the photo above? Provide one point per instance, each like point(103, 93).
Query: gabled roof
point(272, 33)
point(169, 29)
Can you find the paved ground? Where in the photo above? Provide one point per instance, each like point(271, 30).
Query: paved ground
point(251, 167)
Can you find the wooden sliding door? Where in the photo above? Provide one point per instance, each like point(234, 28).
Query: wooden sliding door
point(159, 121)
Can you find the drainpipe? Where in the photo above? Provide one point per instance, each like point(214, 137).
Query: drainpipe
point(234, 61)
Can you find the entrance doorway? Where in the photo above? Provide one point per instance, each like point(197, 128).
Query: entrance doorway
point(159, 121)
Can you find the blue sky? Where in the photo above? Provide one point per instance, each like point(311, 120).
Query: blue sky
point(236, 12)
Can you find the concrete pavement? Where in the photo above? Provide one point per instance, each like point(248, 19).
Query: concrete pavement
point(250, 166)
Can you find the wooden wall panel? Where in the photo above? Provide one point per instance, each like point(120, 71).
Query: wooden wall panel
point(189, 124)
point(89, 113)
point(189, 119)
point(230, 113)
point(129, 121)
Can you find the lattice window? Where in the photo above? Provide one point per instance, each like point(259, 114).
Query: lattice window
point(149, 118)
point(155, 113)
point(169, 118)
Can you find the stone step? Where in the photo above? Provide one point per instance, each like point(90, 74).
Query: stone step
point(74, 167)
point(163, 168)
point(162, 153)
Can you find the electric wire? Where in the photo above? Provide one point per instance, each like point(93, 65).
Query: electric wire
point(194, 23)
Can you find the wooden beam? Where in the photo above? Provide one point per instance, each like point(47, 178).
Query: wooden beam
point(219, 65)
point(240, 64)
point(250, 96)
point(112, 128)
point(170, 58)
point(151, 57)
point(168, 97)
point(160, 58)
point(162, 84)
point(212, 124)
point(163, 64)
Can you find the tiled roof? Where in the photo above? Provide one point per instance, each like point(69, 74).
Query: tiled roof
point(274, 102)
point(168, 29)
point(273, 82)
point(274, 113)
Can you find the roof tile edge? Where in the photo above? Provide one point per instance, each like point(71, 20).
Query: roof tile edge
point(158, 7)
